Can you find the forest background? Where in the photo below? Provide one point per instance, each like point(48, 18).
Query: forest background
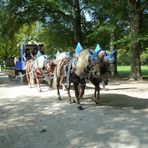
point(61, 24)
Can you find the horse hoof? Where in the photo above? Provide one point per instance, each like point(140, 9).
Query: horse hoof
point(59, 98)
point(92, 99)
point(74, 101)
point(64, 88)
point(70, 102)
point(97, 102)
point(80, 107)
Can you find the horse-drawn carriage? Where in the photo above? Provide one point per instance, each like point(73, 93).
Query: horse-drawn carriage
point(27, 51)
point(93, 65)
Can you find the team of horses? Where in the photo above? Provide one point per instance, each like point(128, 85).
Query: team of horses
point(64, 70)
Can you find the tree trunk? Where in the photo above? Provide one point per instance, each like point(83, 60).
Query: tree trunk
point(77, 23)
point(136, 73)
point(112, 47)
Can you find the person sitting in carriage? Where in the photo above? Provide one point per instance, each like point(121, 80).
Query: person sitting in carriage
point(27, 55)
point(39, 52)
point(36, 53)
point(33, 53)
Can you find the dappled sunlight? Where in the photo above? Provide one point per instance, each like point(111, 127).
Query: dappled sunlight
point(29, 118)
point(96, 126)
point(123, 145)
point(55, 108)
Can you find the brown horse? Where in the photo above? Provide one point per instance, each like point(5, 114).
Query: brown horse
point(29, 72)
point(60, 74)
point(106, 71)
point(39, 68)
point(87, 69)
point(68, 72)
point(84, 69)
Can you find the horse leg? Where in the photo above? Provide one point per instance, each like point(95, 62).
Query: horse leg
point(97, 94)
point(38, 83)
point(68, 92)
point(50, 83)
point(80, 107)
point(28, 79)
point(50, 80)
point(31, 79)
point(76, 93)
point(82, 90)
point(96, 83)
point(58, 88)
point(62, 82)
point(67, 86)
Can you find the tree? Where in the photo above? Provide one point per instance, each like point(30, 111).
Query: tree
point(67, 13)
point(8, 28)
point(137, 7)
point(77, 23)
point(108, 21)
point(63, 24)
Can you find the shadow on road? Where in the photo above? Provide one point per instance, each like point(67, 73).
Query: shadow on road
point(42, 121)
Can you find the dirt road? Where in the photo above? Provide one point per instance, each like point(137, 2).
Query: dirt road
point(32, 119)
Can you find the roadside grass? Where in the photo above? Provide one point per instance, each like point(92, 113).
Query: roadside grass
point(124, 71)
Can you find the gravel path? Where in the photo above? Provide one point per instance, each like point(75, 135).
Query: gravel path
point(32, 119)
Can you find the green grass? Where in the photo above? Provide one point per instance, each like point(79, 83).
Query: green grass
point(124, 71)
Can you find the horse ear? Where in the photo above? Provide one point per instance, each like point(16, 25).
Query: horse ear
point(67, 53)
point(113, 52)
point(57, 53)
point(111, 57)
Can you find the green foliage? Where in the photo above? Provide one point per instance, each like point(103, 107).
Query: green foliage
point(52, 23)
point(8, 28)
point(144, 57)
point(28, 32)
point(124, 57)
point(124, 71)
point(55, 39)
point(108, 17)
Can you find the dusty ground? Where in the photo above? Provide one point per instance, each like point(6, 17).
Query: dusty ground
point(29, 119)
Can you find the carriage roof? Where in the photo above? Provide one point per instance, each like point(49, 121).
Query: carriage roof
point(32, 46)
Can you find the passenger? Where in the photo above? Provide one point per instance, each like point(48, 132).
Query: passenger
point(34, 53)
point(27, 55)
point(40, 52)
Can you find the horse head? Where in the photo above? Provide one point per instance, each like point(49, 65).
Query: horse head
point(111, 69)
point(110, 59)
point(95, 69)
point(50, 66)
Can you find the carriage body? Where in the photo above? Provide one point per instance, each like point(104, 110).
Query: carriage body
point(19, 69)
point(20, 64)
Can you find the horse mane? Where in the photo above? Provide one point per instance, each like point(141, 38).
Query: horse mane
point(82, 62)
point(39, 62)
